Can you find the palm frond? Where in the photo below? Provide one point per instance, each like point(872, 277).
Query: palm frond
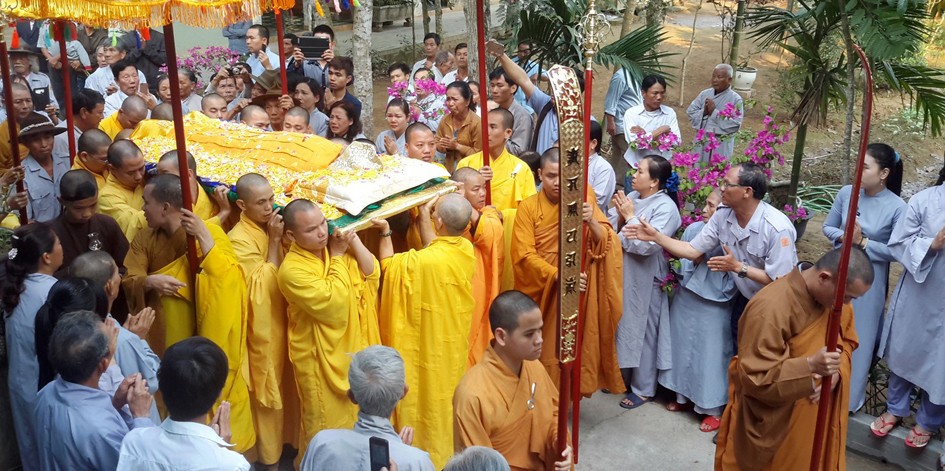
point(638, 53)
point(925, 86)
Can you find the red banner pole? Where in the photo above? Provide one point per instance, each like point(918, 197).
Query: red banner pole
point(483, 96)
point(11, 117)
point(67, 88)
point(833, 326)
point(280, 36)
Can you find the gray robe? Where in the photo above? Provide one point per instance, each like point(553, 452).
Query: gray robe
point(644, 266)
point(915, 324)
point(724, 128)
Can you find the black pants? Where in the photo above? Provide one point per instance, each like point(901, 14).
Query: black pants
point(737, 309)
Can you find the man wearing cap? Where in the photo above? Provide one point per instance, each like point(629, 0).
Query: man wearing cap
point(44, 100)
point(42, 170)
point(270, 101)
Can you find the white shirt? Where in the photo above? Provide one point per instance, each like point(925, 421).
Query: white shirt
point(601, 177)
point(178, 446)
point(450, 77)
point(103, 77)
point(256, 67)
point(649, 121)
point(113, 102)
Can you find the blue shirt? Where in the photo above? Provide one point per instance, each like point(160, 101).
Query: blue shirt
point(255, 66)
point(78, 428)
point(348, 450)
point(623, 94)
point(43, 189)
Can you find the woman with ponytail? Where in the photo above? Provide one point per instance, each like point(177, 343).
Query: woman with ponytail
point(643, 346)
point(30, 264)
point(877, 213)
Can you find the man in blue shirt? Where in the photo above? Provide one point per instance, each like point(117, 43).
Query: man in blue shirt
point(260, 58)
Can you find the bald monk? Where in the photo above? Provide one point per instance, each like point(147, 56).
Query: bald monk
point(425, 313)
point(159, 276)
point(215, 209)
point(257, 241)
point(92, 155)
point(163, 112)
point(22, 107)
point(421, 143)
point(120, 198)
point(535, 260)
point(774, 382)
point(508, 402)
point(330, 283)
point(486, 234)
point(133, 111)
point(255, 116)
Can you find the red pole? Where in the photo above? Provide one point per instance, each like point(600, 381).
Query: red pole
point(280, 35)
point(11, 117)
point(483, 98)
point(563, 403)
point(833, 327)
point(67, 88)
point(177, 107)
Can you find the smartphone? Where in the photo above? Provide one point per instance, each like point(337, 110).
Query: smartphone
point(143, 88)
point(380, 454)
point(313, 48)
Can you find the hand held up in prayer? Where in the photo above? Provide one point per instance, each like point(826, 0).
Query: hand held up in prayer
point(486, 172)
point(709, 106)
point(390, 145)
point(637, 130)
point(139, 399)
point(824, 363)
point(494, 48)
point(939, 241)
point(660, 131)
point(140, 323)
point(624, 206)
point(446, 143)
point(565, 463)
point(406, 435)
point(221, 422)
point(723, 263)
point(165, 285)
point(339, 241)
point(196, 227)
point(120, 399)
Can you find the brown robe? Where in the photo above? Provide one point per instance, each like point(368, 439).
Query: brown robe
point(769, 422)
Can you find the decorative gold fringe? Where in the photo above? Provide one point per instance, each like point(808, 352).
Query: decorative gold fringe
point(135, 14)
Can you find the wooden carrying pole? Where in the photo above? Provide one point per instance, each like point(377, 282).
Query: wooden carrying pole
point(61, 29)
point(11, 115)
point(177, 107)
point(280, 36)
point(483, 98)
point(833, 325)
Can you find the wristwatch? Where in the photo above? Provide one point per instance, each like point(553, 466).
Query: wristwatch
point(743, 272)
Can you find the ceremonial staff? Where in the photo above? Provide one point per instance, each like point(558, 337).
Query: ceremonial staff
point(280, 36)
point(833, 324)
point(483, 98)
point(59, 32)
point(11, 117)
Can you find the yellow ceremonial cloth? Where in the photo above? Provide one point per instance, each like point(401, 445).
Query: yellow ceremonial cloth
point(111, 126)
point(535, 261)
point(512, 179)
point(489, 245)
point(769, 422)
point(332, 314)
point(123, 205)
point(270, 376)
point(100, 178)
point(490, 409)
point(10, 221)
point(425, 313)
point(6, 154)
point(205, 208)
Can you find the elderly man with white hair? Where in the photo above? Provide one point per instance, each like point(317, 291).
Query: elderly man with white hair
point(377, 383)
point(717, 110)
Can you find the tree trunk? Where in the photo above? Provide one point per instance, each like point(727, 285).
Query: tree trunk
point(308, 11)
point(682, 71)
point(655, 12)
point(738, 33)
point(488, 16)
point(628, 17)
point(361, 56)
point(800, 138)
point(425, 12)
point(438, 14)
point(849, 91)
point(472, 16)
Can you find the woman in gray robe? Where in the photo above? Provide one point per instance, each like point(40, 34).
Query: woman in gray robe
point(915, 326)
point(701, 331)
point(877, 213)
point(643, 342)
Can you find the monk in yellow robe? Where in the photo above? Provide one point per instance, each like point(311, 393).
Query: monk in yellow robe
point(535, 260)
point(215, 307)
point(508, 402)
point(133, 111)
point(330, 283)
point(92, 155)
point(121, 196)
point(486, 234)
point(257, 241)
point(22, 107)
point(216, 211)
point(774, 382)
point(425, 313)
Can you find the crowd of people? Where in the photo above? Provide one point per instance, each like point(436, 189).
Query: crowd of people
point(434, 330)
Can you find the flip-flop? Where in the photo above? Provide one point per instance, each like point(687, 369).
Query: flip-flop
point(911, 442)
point(710, 424)
point(884, 423)
point(677, 407)
point(635, 401)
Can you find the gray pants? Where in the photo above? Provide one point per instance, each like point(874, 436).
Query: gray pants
point(618, 147)
point(643, 379)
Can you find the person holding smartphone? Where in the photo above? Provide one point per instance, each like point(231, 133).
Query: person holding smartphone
point(260, 58)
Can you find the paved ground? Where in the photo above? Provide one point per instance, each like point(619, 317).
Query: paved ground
point(650, 438)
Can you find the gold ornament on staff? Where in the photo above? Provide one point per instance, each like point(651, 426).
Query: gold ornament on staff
point(593, 28)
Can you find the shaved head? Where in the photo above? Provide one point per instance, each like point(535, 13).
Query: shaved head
point(300, 113)
point(97, 266)
point(464, 174)
point(455, 212)
point(93, 140)
point(292, 211)
point(136, 106)
point(415, 128)
point(254, 116)
point(163, 112)
point(507, 308)
point(121, 150)
point(170, 157)
point(249, 183)
point(77, 185)
point(166, 189)
point(551, 156)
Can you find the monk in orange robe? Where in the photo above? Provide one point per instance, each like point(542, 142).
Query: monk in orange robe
point(535, 261)
point(774, 382)
point(486, 233)
point(508, 402)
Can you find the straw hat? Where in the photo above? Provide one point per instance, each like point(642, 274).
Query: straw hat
point(22, 50)
point(36, 124)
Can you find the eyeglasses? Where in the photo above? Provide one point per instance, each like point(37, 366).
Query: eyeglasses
point(724, 185)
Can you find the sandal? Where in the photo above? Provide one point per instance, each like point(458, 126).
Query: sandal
point(878, 427)
point(917, 439)
point(677, 407)
point(710, 424)
point(632, 401)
